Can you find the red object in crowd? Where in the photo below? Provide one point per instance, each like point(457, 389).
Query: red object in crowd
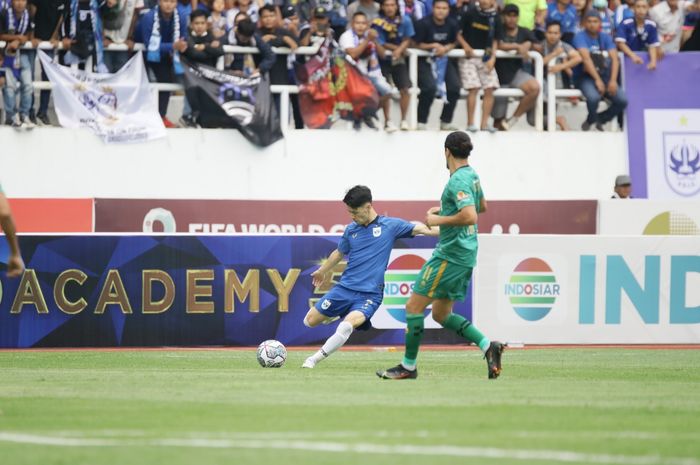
point(168, 124)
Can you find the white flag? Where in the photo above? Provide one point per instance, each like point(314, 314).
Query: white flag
point(117, 107)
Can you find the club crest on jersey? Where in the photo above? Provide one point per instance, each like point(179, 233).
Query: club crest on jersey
point(462, 196)
point(376, 232)
point(325, 304)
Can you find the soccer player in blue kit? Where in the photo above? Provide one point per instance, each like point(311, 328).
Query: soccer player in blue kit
point(367, 241)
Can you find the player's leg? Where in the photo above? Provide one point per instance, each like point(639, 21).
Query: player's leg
point(455, 284)
point(314, 318)
point(353, 320)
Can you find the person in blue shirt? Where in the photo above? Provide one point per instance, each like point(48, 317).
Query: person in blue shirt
point(565, 13)
point(597, 76)
point(623, 11)
point(394, 34)
point(367, 242)
point(163, 32)
point(639, 34)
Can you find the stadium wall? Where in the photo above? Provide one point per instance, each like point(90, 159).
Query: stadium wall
point(307, 165)
point(184, 290)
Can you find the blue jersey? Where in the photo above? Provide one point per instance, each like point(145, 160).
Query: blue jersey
point(568, 19)
point(595, 45)
point(368, 249)
point(637, 39)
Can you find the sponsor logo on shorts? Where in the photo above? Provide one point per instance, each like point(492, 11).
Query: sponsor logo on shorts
point(532, 289)
point(325, 304)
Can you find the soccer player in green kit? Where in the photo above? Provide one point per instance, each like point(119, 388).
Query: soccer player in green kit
point(445, 277)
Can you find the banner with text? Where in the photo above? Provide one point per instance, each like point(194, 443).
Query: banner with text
point(648, 217)
point(589, 289)
point(664, 127)
point(319, 217)
point(81, 291)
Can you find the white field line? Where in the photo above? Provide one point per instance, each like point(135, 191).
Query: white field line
point(360, 448)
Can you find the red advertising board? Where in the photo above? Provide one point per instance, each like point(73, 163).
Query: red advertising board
point(52, 215)
point(294, 217)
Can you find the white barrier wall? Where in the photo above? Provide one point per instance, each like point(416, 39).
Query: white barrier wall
point(588, 289)
point(318, 165)
point(649, 217)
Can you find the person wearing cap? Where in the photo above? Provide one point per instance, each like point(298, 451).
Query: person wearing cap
point(597, 76)
point(639, 34)
point(336, 10)
point(532, 12)
point(511, 73)
point(319, 26)
point(623, 187)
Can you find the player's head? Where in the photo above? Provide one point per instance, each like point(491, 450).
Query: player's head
point(458, 145)
point(359, 202)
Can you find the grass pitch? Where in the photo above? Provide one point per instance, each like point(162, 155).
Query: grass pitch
point(572, 406)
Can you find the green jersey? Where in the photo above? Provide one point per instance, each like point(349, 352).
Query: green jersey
point(458, 244)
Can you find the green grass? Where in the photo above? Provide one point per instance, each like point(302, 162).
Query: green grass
point(623, 406)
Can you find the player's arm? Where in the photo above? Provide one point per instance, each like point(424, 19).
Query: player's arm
point(482, 205)
point(15, 265)
point(465, 217)
point(322, 275)
point(422, 230)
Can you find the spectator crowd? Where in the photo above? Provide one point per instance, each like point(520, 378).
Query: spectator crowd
point(582, 43)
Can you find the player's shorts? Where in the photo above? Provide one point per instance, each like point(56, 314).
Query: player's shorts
point(440, 279)
point(474, 75)
point(340, 301)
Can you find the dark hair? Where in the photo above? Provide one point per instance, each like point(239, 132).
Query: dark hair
point(359, 13)
point(552, 22)
point(196, 14)
point(459, 144)
point(438, 1)
point(246, 28)
point(269, 8)
point(357, 196)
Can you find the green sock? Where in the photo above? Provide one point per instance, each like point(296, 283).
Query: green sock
point(414, 334)
point(468, 331)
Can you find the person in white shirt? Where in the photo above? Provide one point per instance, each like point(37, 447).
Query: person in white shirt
point(669, 17)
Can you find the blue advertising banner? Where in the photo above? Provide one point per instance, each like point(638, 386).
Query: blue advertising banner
point(181, 290)
point(663, 127)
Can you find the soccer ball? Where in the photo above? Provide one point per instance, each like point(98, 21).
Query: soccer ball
point(271, 354)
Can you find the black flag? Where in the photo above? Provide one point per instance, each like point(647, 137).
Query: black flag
point(227, 101)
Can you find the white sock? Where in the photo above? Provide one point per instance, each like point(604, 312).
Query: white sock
point(334, 342)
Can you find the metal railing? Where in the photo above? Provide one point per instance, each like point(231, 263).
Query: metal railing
point(286, 90)
point(414, 54)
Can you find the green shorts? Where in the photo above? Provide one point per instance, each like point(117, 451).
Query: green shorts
point(440, 279)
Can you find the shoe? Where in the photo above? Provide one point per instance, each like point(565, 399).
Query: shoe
point(398, 372)
point(369, 121)
point(404, 125)
point(390, 127)
point(15, 122)
point(493, 359)
point(585, 126)
point(490, 129)
point(512, 121)
point(600, 127)
point(42, 119)
point(309, 363)
point(168, 124)
point(500, 125)
point(27, 123)
point(188, 121)
point(421, 127)
point(472, 128)
point(448, 126)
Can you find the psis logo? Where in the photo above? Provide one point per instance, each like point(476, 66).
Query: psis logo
point(532, 289)
point(399, 278)
point(682, 162)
